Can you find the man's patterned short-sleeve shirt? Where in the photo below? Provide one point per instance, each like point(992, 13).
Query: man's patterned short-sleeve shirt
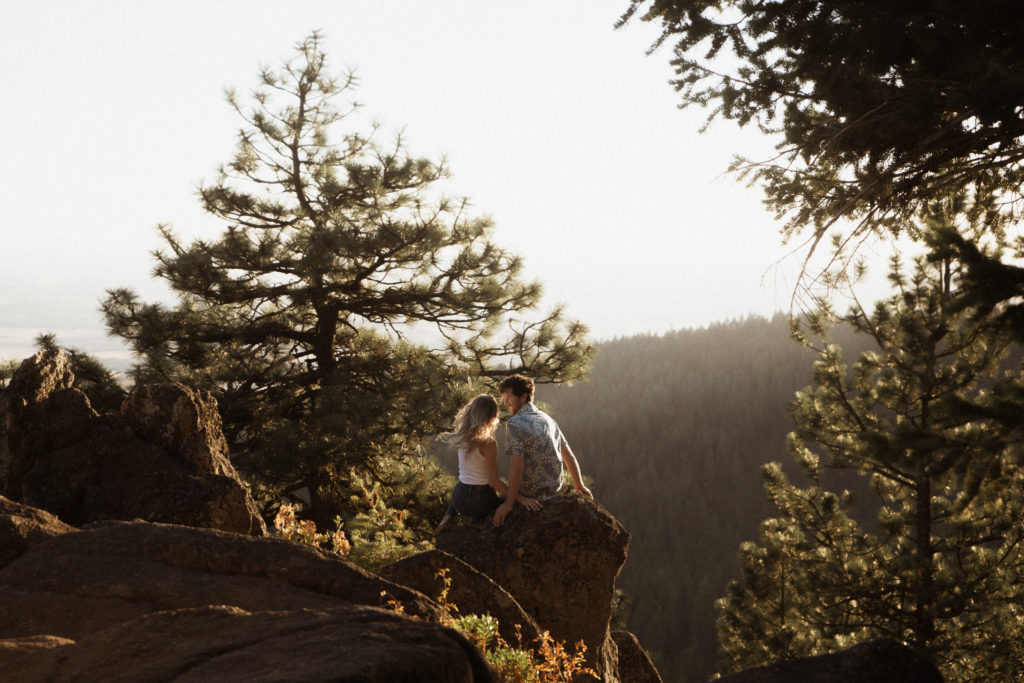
point(534, 435)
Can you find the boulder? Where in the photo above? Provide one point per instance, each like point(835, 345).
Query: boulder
point(39, 377)
point(470, 591)
point(162, 459)
point(21, 527)
point(878, 661)
point(143, 601)
point(560, 565)
point(221, 643)
point(32, 396)
point(83, 581)
point(183, 421)
point(635, 665)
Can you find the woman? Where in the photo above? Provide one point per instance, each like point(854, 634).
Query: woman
point(473, 436)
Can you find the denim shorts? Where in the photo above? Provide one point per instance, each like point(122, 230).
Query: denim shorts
point(474, 500)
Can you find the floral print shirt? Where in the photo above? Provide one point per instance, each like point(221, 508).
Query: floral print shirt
point(534, 435)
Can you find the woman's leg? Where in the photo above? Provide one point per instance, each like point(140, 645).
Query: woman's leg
point(449, 514)
point(481, 501)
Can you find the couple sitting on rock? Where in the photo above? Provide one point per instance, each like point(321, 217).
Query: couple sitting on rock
point(536, 450)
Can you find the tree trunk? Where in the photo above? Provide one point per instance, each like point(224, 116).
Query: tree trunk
point(924, 617)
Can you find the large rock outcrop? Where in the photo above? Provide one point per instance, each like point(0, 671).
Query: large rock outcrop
point(560, 565)
point(879, 661)
point(221, 643)
point(144, 601)
point(83, 581)
point(470, 591)
point(162, 459)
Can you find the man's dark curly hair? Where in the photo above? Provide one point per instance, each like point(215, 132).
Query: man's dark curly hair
point(521, 385)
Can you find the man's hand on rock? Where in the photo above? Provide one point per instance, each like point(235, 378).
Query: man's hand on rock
point(502, 512)
point(586, 492)
point(529, 503)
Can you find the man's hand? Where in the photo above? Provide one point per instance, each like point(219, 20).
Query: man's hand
point(502, 512)
point(586, 492)
point(529, 503)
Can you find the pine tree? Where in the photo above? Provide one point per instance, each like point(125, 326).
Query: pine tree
point(299, 315)
point(877, 111)
point(878, 108)
point(933, 556)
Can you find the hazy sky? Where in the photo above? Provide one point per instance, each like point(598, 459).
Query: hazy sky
point(554, 123)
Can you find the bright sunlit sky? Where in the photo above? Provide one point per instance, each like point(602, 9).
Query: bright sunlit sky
point(555, 124)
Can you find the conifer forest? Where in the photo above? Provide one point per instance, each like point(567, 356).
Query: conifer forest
point(673, 430)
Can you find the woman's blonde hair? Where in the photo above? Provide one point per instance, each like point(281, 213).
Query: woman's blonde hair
point(475, 422)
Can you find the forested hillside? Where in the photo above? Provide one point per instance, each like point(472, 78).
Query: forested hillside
point(673, 430)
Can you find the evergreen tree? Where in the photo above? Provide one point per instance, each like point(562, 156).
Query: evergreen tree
point(878, 109)
point(940, 566)
point(298, 316)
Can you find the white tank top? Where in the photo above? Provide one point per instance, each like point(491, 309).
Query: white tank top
point(472, 467)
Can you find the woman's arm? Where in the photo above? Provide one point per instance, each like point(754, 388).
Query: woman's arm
point(489, 450)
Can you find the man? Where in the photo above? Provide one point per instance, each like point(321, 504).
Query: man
point(536, 449)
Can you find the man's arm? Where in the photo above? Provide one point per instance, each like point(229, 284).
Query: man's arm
point(490, 453)
point(569, 460)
